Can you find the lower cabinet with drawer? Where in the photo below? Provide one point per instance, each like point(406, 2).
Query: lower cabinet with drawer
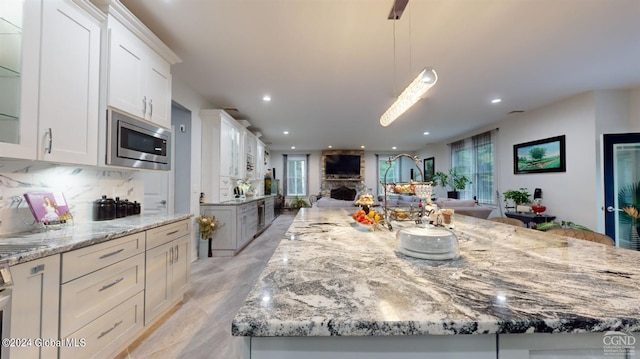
point(168, 268)
point(34, 307)
point(108, 334)
point(239, 224)
point(102, 297)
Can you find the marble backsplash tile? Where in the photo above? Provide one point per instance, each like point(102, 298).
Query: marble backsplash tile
point(80, 185)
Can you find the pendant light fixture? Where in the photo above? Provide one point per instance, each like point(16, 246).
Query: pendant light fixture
point(412, 94)
point(416, 89)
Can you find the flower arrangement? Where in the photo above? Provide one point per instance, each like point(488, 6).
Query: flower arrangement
point(207, 225)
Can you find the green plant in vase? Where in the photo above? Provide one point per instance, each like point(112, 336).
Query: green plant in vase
point(453, 180)
point(518, 196)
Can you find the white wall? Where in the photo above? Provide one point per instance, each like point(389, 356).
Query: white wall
point(191, 100)
point(315, 169)
point(574, 195)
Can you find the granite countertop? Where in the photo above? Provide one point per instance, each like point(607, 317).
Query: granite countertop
point(237, 201)
point(77, 235)
point(328, 278)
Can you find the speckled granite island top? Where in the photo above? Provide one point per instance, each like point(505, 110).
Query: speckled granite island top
point(328, 278)
point(237, 201)
point(78, 235)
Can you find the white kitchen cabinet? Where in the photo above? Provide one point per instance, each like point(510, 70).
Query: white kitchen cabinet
point(239, 224)
point(250, 154)
point(168, 268)
point(139, 80)
point(34, 305)
point(261, 168)
point(60, 83)
point(563, 345)
point(106, 336)
point(269, 210)
point(247, 223)
point(221, 153)
point(98, 291)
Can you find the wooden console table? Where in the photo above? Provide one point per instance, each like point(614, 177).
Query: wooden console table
point(529, 218)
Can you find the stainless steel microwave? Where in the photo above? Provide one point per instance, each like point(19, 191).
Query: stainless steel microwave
point(135, 143)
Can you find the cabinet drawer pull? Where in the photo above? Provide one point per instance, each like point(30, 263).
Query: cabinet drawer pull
point(111, 254)
point(107, 286)
point(38, 268)
point(109, 330)
point(50, 133)
point(173, 232)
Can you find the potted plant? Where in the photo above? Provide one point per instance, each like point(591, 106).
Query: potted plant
point(453, 180)
point(298, 202)
point(519, 196)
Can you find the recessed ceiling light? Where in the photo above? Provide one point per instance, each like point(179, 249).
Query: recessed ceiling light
point(286, 132)
point(496, 100)
point(293, 147)
point(266, 98)
point(362, 146)
point(394, 147)
point(425, 133)
point(330, 146)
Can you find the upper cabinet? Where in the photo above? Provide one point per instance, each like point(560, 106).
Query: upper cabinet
point(52, 71)
point(250, 144)
point(138, 76)
point(139, 79)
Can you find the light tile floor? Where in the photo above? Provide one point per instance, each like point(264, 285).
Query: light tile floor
point(200, 327)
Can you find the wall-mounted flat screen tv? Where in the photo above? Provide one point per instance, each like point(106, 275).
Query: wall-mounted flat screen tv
point(342, 165)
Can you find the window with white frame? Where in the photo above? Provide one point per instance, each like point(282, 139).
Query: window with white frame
point(474, 157)
point(296, 175)
point(393, 175)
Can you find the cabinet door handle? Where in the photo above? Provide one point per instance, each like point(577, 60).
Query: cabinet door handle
point(173, 232)
point(171, 255)
point(107, 286)
point(37, 269)
point(50, 135)
point(111, 254)
point(109, 330)
point(144, 105)
point(177, 253)
point(150, 107)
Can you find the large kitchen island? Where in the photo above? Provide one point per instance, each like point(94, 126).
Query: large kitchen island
point(334, 289)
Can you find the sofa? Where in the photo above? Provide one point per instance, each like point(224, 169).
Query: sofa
point(460, 206)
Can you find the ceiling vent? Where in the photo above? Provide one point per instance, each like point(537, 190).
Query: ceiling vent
point(397, 9)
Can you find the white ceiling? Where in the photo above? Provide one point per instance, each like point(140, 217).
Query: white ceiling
point(332, 67)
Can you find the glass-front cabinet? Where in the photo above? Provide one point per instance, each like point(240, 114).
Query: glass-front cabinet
point(10, 55)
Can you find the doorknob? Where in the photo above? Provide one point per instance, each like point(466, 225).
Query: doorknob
point(612, 209)
point(163, 202)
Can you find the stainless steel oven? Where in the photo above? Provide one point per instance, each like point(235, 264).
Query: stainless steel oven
point(5, 308)
point(133, 142)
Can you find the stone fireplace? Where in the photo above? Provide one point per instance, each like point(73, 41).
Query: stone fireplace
point(353, 182)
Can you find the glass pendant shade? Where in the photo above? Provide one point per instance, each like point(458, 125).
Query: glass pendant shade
point(412, 94)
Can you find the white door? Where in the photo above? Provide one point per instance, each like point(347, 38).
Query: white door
point(622, 188)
